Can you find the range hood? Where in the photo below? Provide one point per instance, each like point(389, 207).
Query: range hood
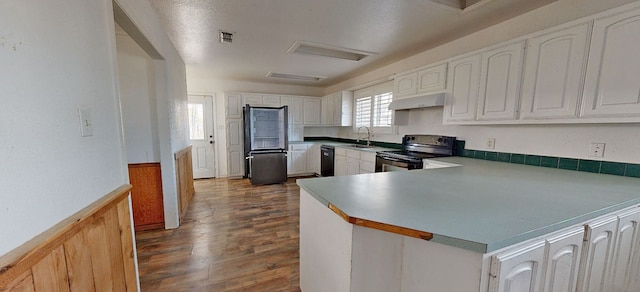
point(418, 102)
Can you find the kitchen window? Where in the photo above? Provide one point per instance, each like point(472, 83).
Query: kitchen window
point(371, 108)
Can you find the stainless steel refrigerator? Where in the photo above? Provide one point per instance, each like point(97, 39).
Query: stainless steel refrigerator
point(265, 144)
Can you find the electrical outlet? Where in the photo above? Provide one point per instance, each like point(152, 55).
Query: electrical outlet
point(491, 143)
point(596, 150)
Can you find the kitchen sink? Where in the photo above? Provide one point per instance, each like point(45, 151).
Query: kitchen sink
point(360, 146)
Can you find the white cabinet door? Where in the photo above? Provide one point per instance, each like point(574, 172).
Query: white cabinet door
point(234, 106)
point(313, 159)
point(340, 165)
point(462, 95)
point(518, 269)
point(299, 164)
point(432, 79)
point(311, 111)
point(296, 111)
point(353, 166)
point(562, 262)
point(251, 99)
point(611, 84)
point(235, 133)
point(236, 162)
point(624, 271)
point(235, 148)
point(500, 83)
point(328, 110)
point(296, 133)
point(405, 85)
point(271, 100)
point(598, 255)
point(553, 75)
point(297, 158)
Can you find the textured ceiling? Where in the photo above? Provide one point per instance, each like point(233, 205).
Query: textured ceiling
point(265, 29)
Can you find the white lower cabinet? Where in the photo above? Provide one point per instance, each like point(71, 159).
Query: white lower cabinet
point(562, 260)
point(625, 269)
point(600, 256)
point(350, 162)
point(597, 255)
point(303, 159)
point(518, 269)
point(313, 159)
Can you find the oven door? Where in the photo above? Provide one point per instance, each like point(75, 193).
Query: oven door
point(385, 164)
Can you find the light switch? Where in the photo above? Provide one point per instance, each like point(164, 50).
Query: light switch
point(86, 123)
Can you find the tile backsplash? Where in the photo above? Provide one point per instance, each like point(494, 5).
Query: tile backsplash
point(595, 166)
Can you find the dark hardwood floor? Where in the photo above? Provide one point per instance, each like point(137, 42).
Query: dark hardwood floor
point(234, 237)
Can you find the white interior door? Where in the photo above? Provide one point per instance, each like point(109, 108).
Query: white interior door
point(201, 135)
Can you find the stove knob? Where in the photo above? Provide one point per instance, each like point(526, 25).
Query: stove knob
point(439, 139)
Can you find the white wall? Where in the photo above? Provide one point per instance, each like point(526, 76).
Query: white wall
point(572, 141)
point(203, 86)
point(138, 100)
point(56, 57)
point(171, 98)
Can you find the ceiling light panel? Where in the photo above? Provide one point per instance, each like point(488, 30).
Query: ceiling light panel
point(295, 77)
point(309, 48)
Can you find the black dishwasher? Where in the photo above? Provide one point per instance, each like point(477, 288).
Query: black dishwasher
point(326, 160)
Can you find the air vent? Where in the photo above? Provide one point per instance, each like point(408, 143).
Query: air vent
point(226, 37)
point(308, 48)
point(295, 77)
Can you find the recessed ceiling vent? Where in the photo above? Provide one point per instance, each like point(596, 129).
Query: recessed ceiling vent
point(309, 48)
point(295, 77)
point(226, 37)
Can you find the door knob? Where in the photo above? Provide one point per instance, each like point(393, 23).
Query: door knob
point(210, 142)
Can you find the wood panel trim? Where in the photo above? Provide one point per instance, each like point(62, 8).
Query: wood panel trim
point(20, 260)
point(382, 226)
point(184, 179)
point(146, 196)
point(182, 152)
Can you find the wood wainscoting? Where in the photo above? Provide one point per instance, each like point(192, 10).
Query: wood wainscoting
point(146, 196)
point(184, 171)
point(90, 251)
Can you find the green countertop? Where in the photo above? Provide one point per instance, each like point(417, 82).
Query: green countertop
point(482, 206)
point(342, 145)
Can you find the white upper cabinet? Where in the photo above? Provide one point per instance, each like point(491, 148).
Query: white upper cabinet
point(462, 93)
point(271, 100)
point(406, 85)
point(500, 82)
point(612, 84)
point(251, 99)
point(432, 78)
point(337, 109)
point(426, 80)
point(296, 111)
point(554, 68)
point(234, 106)
point(311, 111)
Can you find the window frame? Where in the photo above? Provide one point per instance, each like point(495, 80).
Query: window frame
point(372, 92)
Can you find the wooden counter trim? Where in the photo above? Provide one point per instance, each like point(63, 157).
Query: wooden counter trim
point(62, 255)
point(382, 226)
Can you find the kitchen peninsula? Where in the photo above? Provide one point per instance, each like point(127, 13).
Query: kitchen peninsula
point(482, 226)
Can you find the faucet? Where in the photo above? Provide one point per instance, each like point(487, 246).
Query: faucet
point(368, 135)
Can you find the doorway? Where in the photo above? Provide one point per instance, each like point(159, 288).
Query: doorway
point(201, 135)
